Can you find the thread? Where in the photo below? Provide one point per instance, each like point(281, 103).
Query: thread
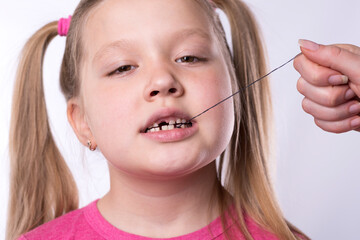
point(189, 123)
point(241, 90)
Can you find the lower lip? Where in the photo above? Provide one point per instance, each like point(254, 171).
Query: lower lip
point(173, 135)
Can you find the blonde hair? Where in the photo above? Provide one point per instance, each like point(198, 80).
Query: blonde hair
point(41, 185)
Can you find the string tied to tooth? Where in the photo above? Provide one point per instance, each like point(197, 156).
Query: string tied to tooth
point(189, 123)
point(242, 89)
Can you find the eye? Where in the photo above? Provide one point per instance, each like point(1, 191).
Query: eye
point(188, 59)
point(122, 69)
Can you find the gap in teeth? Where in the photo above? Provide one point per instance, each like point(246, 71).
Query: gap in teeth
point(163, 126)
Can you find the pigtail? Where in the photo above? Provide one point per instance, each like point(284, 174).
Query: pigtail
point(41, 185)
point(247, 175)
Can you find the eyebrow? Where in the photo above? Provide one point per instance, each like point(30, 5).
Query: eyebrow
point(192, 31)
point(126, 44)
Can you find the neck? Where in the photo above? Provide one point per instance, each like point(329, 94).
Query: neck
point(162, 208)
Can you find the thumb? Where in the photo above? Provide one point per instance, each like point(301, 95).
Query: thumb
point(344, 58)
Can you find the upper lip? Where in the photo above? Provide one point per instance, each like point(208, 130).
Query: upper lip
point(163, 114)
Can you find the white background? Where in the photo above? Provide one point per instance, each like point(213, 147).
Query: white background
point(316, 180)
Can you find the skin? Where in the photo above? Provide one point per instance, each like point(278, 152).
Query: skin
point(162, 187)
point(334, 104)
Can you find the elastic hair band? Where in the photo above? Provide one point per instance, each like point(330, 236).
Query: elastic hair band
point(64, 25)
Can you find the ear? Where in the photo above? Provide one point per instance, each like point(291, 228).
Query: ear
point(77, 120)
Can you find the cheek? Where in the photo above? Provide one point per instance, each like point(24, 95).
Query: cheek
point(112, 113)
point(214, 84)
point(216, 124)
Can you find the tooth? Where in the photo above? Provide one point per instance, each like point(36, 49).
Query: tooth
point(170, 127)
point(165, 127)
point(183, 126)
point(157, 129)
point(152, 130)
point(178, 120)
point(171, 122)
point(183, 121)
point(155, 125)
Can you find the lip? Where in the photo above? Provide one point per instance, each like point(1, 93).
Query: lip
point(173, 135)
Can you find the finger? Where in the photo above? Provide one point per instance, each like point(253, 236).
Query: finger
point(351, 48)
point(329, 96)
point(337, 58)
point(339, 126)
point(341, 112)
point(316, 74)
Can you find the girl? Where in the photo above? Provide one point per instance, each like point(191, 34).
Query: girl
point(127, 66)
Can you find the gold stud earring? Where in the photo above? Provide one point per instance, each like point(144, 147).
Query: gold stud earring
point(89, 145)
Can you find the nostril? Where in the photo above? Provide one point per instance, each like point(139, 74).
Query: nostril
point(154, 93)
point(172, 90)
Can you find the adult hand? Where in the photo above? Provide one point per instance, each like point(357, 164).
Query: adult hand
point(330, 82)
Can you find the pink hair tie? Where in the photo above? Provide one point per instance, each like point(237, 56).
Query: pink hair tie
point(64, 25)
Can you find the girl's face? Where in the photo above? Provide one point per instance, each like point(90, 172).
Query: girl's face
point(147, 61)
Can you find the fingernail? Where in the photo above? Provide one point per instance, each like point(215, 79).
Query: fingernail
point(349, 94)
point(355, 108)
point(355, 123)
point(338, 79)
point(309, 45)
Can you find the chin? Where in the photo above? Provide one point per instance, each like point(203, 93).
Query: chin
point(174, 166)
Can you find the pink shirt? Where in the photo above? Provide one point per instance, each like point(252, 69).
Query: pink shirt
point(87, 223)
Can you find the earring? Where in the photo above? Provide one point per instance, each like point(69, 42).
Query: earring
point(89, 145)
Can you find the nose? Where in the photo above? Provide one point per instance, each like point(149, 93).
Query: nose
point(162, 83)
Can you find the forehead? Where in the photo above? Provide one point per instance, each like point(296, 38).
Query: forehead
point(140, 21)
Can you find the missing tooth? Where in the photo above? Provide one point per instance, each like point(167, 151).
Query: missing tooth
point(176, 125)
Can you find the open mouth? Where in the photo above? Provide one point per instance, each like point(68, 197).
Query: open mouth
point(165, 125)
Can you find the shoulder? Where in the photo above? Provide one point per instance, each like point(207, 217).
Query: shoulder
point(231, 227)
point(255, 230)
point(67, 226)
